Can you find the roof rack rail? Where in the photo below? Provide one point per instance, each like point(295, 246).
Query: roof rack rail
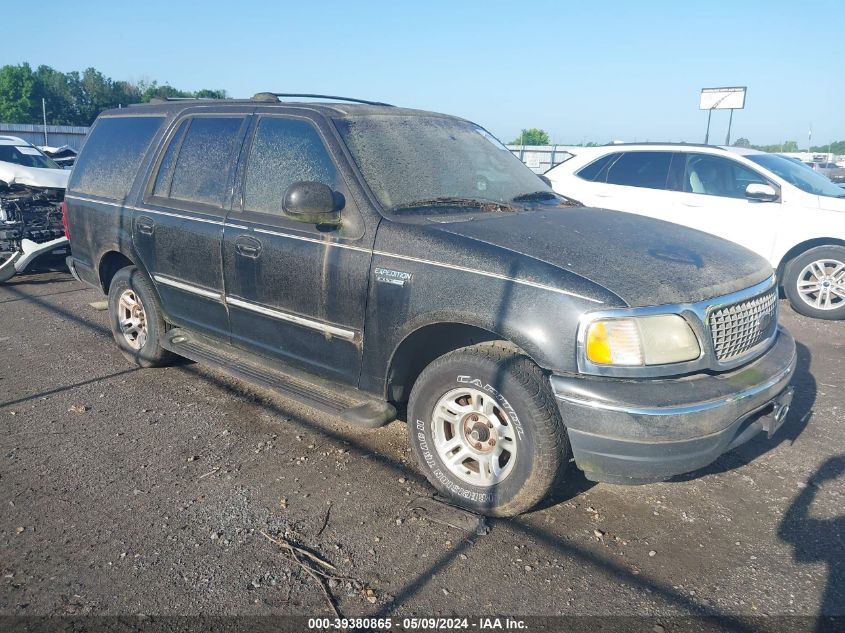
point(167, 99)
point(265, 96)
point(191, 99)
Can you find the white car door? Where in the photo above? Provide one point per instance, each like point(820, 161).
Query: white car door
point(710, 196)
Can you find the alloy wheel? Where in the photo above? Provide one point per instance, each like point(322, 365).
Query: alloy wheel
point(821, 284)
point(132, 319)
point(474, 437)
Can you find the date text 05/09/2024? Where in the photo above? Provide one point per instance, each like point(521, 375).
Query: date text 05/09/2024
point(417, 624)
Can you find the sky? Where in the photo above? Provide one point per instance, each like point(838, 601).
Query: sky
point(582, 71)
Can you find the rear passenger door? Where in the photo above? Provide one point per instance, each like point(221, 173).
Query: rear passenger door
point(178, 228)
point(296, 291)
point(636, 182)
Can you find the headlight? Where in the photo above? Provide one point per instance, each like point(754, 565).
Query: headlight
point(635, 341)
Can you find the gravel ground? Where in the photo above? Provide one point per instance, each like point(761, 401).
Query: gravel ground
point(131, 491)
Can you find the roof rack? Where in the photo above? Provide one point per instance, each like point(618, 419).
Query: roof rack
point(167, 99)
point(274, 96)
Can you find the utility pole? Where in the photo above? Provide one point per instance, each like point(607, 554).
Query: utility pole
point(730, 120)
point(44, 113)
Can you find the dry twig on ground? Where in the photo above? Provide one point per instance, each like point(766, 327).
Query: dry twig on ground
point(319, 575)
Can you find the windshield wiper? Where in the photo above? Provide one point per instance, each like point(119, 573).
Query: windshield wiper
point(535, 195)
point(450, 201)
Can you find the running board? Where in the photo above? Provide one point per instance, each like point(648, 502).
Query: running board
point(349, 404)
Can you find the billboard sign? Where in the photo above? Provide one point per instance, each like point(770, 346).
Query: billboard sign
point(722, 98)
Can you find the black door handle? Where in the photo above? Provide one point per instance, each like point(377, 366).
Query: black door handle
point(145, 225)
point(248, 246)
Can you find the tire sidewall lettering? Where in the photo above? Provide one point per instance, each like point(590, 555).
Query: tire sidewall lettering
point(442, 477)
point(506, 406)
point(421, 430)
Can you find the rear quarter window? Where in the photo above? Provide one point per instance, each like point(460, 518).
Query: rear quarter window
point(112, 154)
point(597, 170)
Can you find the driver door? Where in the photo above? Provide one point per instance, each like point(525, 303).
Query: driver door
point(295, 291)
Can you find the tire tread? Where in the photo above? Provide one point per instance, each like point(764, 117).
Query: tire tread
point(551, 442)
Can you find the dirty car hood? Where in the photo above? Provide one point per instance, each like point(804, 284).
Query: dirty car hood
point(641, 260)
point(13, 174)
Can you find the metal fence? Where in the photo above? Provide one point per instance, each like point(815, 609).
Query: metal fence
point(57, 135)
point(541, 158)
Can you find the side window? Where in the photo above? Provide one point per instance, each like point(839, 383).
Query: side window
point(284, 151)
point(641, 169)
point(717, 176)
point(112, 153)
point(205, 157)
point(597, 170)
point(161, 187)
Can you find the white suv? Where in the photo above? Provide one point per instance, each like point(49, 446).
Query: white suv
point(789, 214)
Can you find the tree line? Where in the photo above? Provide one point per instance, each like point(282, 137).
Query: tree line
point(837, 147)
point(74, 98)
point(535, 136)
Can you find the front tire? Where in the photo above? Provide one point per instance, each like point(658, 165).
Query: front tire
point(814, 282)
point(136, 320)
point(485, 428)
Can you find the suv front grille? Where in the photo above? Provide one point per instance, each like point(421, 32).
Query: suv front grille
point(738, 328)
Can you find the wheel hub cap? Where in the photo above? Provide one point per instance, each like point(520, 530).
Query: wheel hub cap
point(473, 437)
point(132, 319)
point(479, 432)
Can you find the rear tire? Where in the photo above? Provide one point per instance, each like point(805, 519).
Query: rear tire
point(485, 428)
point(814, 282)
point(136, 320)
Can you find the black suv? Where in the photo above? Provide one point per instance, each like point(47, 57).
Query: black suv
point(364, 258)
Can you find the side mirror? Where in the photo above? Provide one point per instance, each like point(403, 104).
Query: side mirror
point(761, 192)
point(313, 203)
point(545, 179)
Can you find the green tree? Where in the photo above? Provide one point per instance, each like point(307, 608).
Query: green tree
point(75, 98)
point(837, 147)
point(532, 136)
point(16, 98)
point(742, 142)
point(210, 94)
point(126, 93)
point(59, 92)
point(97, 94)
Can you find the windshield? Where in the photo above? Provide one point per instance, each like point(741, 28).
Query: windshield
point(27, 156)
point(799, 175)
point(420, 161)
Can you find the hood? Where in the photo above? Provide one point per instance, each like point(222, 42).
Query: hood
point(13, 174)
point(641, 260)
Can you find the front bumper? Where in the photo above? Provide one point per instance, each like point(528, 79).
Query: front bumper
point(640, 431)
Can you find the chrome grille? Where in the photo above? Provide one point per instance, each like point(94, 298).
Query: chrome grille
point(739, 327)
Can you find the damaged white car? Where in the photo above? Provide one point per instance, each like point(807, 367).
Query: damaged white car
point(32, 191)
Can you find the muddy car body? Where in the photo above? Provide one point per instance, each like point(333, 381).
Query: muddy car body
point(364, 258)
